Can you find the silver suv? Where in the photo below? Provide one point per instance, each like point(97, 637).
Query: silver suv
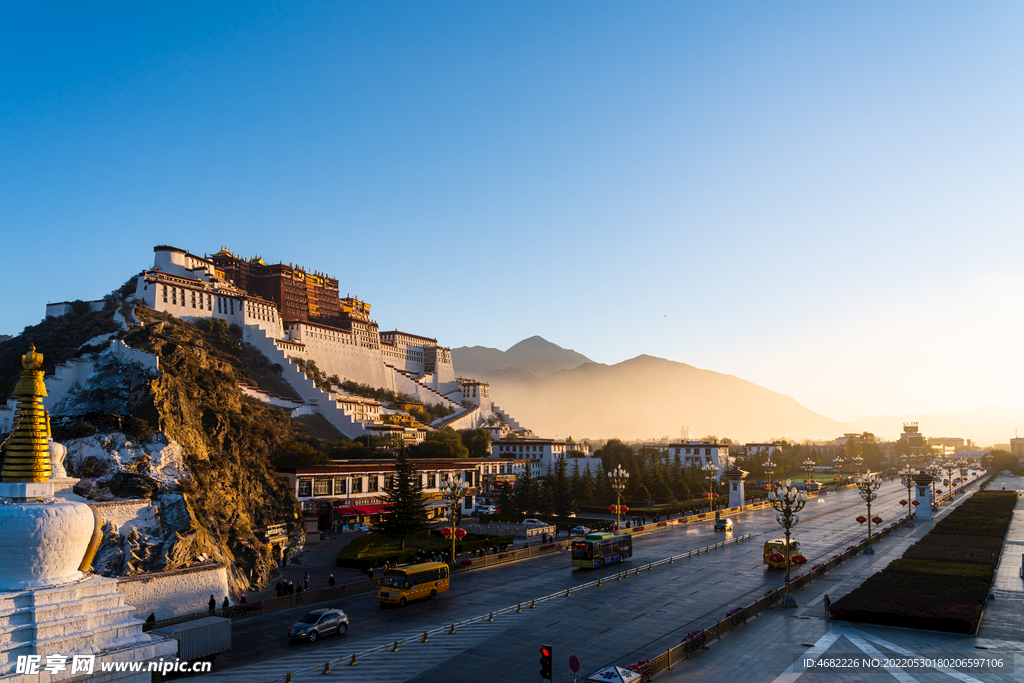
point(318, 623)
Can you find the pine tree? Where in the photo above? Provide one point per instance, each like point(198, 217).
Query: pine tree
point(407, 517)
point(561, 495)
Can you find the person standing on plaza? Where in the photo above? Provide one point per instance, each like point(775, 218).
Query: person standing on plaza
point(213, 605)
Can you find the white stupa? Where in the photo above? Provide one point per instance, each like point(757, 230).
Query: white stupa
point(51, 608)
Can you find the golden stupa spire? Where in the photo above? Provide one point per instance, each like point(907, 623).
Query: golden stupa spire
point(27, 458)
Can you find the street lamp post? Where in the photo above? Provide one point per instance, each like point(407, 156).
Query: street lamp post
point(809, 468)
point(618, 477)
point(907, 477)
point(963, 472)
point(936, 473)
point(452, 489)
point(710, 473)
point(857, 462)
point(868, 486)
point(787, 502)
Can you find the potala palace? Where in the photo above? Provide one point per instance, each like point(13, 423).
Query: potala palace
point(293, 315)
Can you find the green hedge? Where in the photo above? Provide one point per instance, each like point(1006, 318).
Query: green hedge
point(979, 543)
point(964, 570)
point(944, 554)
point(932, 613)
point(941, 583)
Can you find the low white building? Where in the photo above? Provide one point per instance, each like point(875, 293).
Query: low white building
point(542, 454)
point(700, 453)
point(352, 491)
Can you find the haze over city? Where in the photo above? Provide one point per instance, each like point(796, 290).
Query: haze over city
point(822, 200)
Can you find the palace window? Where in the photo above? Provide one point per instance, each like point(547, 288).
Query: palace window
point(357, 485)
point(305, 488)
point(431, 480)
point(321, 487)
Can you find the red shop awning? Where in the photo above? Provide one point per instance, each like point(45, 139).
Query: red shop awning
point(371, 509)
point(347, 512)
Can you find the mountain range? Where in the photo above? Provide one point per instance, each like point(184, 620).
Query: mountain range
point(557, 391)
point(561, 392)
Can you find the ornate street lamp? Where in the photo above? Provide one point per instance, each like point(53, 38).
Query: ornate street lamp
point(963, 472)
point(769, 468)
point(857, 462)
point(452, 490)
point(868, 485)
point(710, 473)
point(787, 502)
point(809, 469)
point(936, 472)
point(618, 478)
point(907, 477)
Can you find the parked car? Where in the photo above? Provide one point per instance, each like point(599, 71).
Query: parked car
point(581, 530)
point(530, 521)
point(318, 623)
point(485, 510)
point(723, 524)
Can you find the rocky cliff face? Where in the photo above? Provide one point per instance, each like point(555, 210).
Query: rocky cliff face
point(186, 439)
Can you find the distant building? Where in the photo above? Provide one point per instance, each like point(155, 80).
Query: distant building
point(1017, 446)
point(542, 454)
point(700, 453)
point(912, 437)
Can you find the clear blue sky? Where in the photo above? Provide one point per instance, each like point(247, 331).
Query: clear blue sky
point(823, 198)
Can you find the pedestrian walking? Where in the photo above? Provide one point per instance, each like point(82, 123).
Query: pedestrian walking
point(305, 580)
point(225, 608)
point(298, 593)
point(213, 605)
point(242, 600)
point(330, 581)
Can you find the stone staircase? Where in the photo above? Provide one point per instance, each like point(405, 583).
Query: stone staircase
point(462, 419)
point(322, 402)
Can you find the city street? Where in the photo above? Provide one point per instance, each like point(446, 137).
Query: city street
point(621, 622)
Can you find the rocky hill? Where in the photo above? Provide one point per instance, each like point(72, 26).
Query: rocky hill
point(183, 437)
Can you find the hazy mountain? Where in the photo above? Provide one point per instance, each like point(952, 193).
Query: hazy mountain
point(651, 397)
point(529, 359)
point(986, 426)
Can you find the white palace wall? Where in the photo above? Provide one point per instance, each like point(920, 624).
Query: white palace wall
point(176, 592)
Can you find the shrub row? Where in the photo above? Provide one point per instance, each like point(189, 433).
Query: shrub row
point(942, 581)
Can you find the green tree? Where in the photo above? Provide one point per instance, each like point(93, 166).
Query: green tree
point(526, 492)
point(407, 517)
point(477, 442)
point(561, 492)
point(298, 454)
point(442, 443)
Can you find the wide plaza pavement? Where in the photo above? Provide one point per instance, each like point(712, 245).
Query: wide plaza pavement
point(773, 647)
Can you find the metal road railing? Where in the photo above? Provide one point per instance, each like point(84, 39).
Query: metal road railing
point(317, 595)
point(352, 658)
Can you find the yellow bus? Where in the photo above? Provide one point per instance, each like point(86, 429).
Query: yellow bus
point(778, 548)
point(412, 583)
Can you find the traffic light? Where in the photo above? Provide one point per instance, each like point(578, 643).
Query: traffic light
point(545, 663)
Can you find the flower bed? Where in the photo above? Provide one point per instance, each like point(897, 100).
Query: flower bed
point(941, 583)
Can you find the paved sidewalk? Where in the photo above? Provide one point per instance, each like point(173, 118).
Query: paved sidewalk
point(773, 646)
point(1004, 613)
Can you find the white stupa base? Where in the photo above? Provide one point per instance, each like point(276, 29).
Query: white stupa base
point(23, 491)
point(86, 617)
point(43, 542)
